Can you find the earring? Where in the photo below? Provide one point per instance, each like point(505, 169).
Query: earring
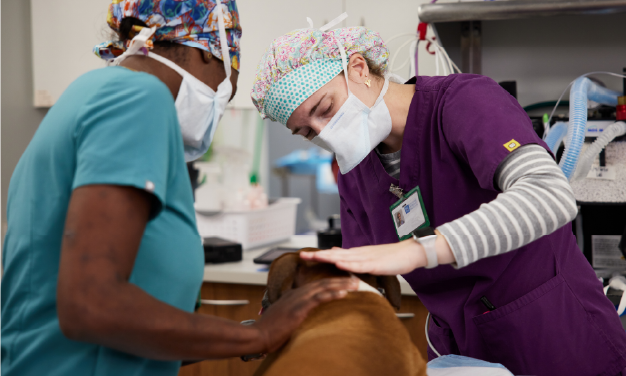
point(368, 82)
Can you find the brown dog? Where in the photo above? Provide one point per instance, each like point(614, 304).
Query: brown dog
point(357, 335)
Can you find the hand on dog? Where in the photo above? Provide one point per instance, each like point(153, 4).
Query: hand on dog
point(384, 259)
point(284, 316)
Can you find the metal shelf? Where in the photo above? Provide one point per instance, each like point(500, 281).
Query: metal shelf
point(515, 9)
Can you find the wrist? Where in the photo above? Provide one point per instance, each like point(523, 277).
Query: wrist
point(261, 341)
point(428, 249)
point(418, 254)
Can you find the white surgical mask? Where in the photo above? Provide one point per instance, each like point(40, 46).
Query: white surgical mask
point(355, 130)
point(199, 107)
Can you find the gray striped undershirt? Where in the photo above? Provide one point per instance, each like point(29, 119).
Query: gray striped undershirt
point(391, 163)
point(536, 200)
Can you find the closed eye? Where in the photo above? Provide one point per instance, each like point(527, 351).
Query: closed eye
point(328, 109)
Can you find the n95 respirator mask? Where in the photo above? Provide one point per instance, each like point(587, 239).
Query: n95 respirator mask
point(355, 130)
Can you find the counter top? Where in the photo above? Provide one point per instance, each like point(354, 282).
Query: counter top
point(246, 272)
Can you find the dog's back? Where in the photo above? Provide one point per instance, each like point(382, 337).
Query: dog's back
point(357, 335)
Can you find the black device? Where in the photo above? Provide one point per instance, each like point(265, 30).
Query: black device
point(332, 236)
point(599, 218)
point(273, 254)
point(218, 250)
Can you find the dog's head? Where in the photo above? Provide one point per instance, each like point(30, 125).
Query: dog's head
point(290, 271)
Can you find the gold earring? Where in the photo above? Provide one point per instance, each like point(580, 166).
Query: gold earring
point(368, 82)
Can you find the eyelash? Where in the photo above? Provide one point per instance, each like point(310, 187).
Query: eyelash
point(328, 109)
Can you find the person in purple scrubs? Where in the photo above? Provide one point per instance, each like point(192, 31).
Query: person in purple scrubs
point(503, 279)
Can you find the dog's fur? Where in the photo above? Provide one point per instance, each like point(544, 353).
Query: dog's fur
point(357, 335)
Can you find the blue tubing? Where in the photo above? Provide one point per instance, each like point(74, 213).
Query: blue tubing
point(603, 95)
point(556, 135)
point(582, 89)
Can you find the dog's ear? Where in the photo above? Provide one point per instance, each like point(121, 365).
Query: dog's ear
point(392, 289)
point(281, 275)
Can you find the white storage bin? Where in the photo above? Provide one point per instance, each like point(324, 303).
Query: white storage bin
point(253, 228)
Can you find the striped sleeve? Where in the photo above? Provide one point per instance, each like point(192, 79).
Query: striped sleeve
point(536, 200)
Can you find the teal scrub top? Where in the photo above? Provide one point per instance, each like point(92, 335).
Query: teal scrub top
point(111, 126)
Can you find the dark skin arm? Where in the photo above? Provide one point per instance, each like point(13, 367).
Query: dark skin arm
point(97, 304)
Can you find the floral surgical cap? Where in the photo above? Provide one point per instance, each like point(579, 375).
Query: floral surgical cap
point(192, 23)
point(297, 64)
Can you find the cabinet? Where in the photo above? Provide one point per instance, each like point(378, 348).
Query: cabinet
point(254, 294)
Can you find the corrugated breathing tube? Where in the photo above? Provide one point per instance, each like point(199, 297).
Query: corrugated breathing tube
point(583, 89)
point(556, 136)
point(611, 132)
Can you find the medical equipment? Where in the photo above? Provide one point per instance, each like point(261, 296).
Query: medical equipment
point(614, 130)
point(443, 63)
point(598, 189)
point(331, 237)
point(583, 89)
point(218, 250)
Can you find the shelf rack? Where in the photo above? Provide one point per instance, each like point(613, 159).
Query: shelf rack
point(470, 15)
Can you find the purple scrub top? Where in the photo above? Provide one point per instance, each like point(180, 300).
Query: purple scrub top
point(551, 315)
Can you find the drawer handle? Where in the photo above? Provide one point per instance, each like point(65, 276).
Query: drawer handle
point(225, 302)
point(404, 316)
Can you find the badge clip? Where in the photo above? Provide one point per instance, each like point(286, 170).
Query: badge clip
point(397, 191)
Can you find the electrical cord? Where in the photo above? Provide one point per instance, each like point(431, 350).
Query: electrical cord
point(430, 344)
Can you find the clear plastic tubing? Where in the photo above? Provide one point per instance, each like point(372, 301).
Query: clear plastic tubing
point(611, 132)
point(556, 135)
point(582, 90)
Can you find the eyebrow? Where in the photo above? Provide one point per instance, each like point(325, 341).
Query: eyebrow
point(318, 103)
point(297, 129)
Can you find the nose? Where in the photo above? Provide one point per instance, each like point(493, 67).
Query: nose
point(318, 125)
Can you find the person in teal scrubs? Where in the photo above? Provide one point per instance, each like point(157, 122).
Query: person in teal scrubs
point(102, 259)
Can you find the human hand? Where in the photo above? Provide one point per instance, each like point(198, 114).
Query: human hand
point(283, 317)
point(384, 259)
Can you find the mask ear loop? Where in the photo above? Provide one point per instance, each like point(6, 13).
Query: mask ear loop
point(223, 41)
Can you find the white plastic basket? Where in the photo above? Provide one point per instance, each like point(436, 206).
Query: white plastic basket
point(253, 228)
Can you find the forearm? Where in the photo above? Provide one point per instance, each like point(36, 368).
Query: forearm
point(536, 201)
point(126, 318)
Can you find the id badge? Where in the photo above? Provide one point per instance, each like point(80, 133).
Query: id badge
point(409, 214)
